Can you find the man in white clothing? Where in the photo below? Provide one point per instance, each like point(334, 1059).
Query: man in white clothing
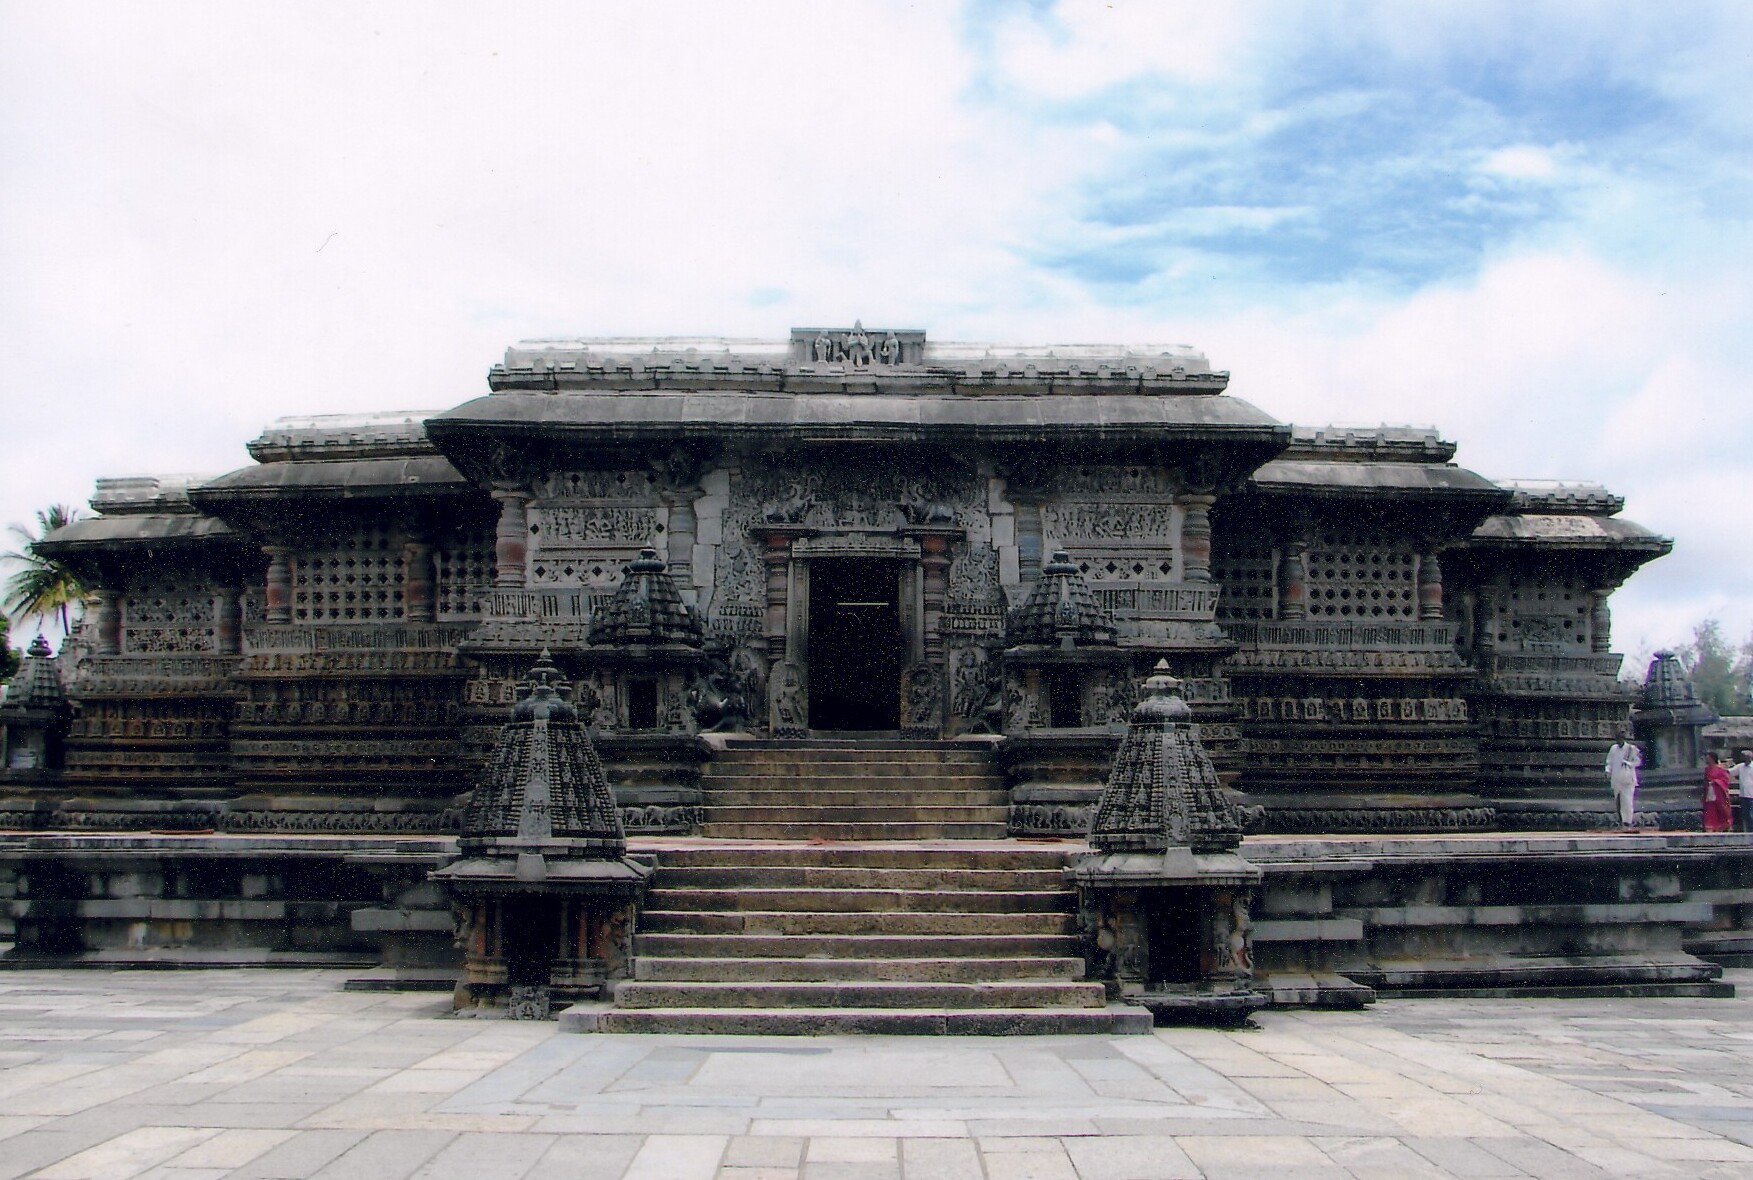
point(1623, 761)
point(1742, 773)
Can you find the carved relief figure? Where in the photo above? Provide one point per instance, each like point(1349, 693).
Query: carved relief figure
point(921, 701)
point(788, 701)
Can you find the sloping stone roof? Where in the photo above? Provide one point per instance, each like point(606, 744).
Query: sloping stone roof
point(646, 608)
point(712, 414)
point(1163, 791)
point(37, 683)
point(335, 479)
point(544, 782)
point(1060, 605)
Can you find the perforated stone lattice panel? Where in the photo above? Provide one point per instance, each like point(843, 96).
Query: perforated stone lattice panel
point(1546, 615)
point(357, 581)
point(168, 611)
point(1362, 576)
point(1125, 567)
point(463, 569)
point(1246, 568)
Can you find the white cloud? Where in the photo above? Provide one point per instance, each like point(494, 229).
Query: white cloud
point(1521, 162)
point(253, 211)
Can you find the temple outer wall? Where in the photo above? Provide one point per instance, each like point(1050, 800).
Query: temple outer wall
point(1500, 914)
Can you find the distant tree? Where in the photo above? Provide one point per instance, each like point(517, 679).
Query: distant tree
point(42, 587)
point(9, 659)
point(1722, 674)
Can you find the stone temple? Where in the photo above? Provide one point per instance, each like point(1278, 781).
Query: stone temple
point(852, 585)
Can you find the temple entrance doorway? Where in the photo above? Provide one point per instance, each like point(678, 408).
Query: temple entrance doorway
point(855, 643)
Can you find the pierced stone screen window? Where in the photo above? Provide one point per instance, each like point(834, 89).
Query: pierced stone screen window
point(167, 612)
point(357, 581)
point(1246, 568)
point(464, 567)
point(1361, 576)
point(1138, 565)
point(1549, 614)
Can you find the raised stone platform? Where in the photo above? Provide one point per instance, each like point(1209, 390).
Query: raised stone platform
point(1578, 914)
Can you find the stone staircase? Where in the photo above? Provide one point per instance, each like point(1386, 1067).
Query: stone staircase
point(905, 938)
point(854, 790)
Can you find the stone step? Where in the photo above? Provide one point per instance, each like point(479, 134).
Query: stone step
point(862, 922)
point(798, 813)
point(636, 994)
point(793, 854)
point(687, 945)
point(942, 970)
point(1112, 1020)
point(859, 901)
point(794, 797)
point(848, 768)
point(852, 831)
point(856, 748)
point(855, 877)
point(854, 779)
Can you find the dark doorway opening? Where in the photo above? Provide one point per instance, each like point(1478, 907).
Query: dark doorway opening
point(1176, 929)
point(642, 704)
point(1064, 698)
point(855, 643)
point(531, 939)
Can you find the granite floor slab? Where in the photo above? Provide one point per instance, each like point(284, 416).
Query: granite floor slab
point(281, 1075)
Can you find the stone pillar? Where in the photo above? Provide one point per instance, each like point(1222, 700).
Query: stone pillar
point(1430, 587)
point(279, 587)
point(1293, 582)
point(680, 539)
point(511, 540)
point(1195, 536)
point(419, 587)
point(1600, 623)
point(1028, 540)
point(777, 555)
point(934, 556)
point(106, 618)
point(228, 621)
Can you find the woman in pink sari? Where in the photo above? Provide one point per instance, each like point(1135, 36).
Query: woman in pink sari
point(1719, 812)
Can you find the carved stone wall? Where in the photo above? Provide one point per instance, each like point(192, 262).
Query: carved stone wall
point(369, 712)
point(151, 724)
point(585, 525)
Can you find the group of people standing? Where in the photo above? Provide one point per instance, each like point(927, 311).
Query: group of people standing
point(1728, 790)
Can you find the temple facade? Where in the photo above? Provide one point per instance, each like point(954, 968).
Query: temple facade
point(847, 536)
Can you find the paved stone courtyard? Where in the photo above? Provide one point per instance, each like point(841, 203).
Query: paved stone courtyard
point(185, 1076)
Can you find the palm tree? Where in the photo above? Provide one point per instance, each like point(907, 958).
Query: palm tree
point(44, 587)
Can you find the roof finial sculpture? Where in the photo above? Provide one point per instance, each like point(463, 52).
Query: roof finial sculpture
point(543, 792)
point(647, 608)
point(1163, 791)
point(1061, 609)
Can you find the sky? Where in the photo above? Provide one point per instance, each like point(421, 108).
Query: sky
point(1527, 224)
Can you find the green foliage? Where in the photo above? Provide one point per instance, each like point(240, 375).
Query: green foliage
point(42, 587)
point(1722, 674)
point(9, 659)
